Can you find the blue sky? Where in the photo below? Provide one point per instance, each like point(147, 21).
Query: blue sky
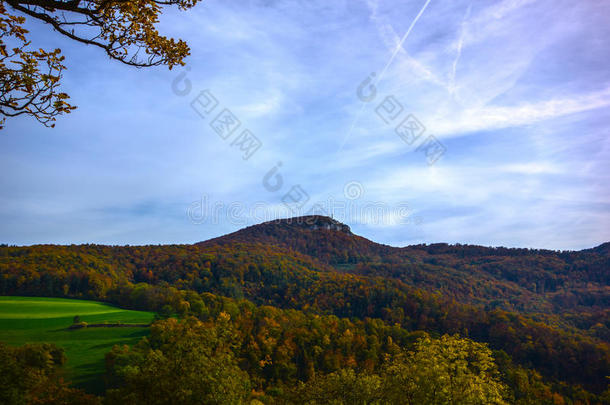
point(517, 92)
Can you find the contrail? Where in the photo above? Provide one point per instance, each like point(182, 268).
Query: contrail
point(451, 85)
point(398, 47)
point(404, 38)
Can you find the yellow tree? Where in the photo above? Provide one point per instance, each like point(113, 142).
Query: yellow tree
point(445, 371)
point(449, 370)
point(125, 30)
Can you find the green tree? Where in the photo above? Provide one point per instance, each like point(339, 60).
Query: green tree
point(343, 387)
point(183, 362)
point(12, 378)
point(30, 375)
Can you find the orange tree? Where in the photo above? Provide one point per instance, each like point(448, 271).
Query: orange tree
point(125, 30)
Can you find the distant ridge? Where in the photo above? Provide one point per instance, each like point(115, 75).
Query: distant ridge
point(322, 236)
point(603, 249)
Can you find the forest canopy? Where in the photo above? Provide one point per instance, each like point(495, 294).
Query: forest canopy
point(296, 313)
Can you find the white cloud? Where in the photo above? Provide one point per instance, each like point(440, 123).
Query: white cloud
point(497, 117)
point(523, 79)
point(532, 168)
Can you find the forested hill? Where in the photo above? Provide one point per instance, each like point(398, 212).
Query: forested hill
point(528, 280)
point(543, 310)
point(323, 238)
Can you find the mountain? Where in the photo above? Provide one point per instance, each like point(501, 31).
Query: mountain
point(526, 280)
point(545, 310)
point(321, 237)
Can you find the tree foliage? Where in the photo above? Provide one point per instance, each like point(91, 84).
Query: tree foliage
point(299, 314)
point(29, 78)
point(157, 278)
point(125, 30)
point(186, 362)
point(444, 371)
point(30, 375)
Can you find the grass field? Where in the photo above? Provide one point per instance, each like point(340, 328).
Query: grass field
point(33, 319)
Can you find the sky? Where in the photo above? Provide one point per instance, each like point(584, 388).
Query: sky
point(423, 121)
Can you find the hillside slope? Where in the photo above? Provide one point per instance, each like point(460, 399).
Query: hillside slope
point(547, 310)
point(524, 280)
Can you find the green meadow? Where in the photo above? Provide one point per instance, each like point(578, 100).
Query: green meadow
point(33, 319)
